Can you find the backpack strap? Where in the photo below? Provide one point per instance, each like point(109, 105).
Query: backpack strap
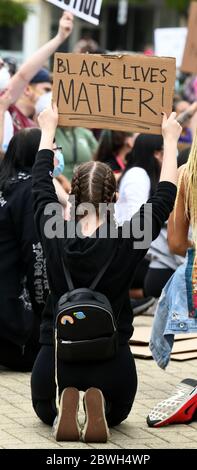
point(94, 282)
point(101, 272)
point(67, 276)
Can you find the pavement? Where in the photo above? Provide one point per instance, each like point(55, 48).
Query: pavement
point(21, 429)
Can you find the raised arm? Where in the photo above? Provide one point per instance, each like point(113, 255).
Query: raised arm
point(171, 131)
point(43, 188)
point(37, 60)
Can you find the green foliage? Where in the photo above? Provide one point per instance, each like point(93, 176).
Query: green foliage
point(12, 13)
point(180, 5)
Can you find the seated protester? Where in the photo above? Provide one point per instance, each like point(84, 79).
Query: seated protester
point(140, 176)
point(23, 281)
point(138, 182)
point(113, 149)
point(84, 247)
point(163, 262)
point(78, 146)
point(162, 265)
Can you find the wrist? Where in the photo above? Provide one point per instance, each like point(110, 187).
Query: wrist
point(170, 140)
point(47, 132)
point(61, 37)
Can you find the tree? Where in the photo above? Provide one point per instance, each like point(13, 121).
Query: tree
point(12, 13)
point(180, 5)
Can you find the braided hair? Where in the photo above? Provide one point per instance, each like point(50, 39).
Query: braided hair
point(94, 183)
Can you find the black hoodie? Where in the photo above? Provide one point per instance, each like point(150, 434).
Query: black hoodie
point(86, 256)
point(23, 280)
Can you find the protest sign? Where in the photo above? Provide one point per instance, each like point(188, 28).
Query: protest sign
point(189, 64)
point(170, 42)
point(126, 92)
point(88, 10)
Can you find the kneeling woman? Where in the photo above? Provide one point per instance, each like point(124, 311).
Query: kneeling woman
point(109, 385)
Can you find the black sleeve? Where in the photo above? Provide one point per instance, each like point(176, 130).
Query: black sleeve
point(43, 189)
point(48, 214)
point(146, 224)
point(31, 253)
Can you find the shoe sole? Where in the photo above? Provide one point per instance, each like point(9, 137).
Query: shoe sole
point(67, 428)
point(96, 428)
point(182, 415)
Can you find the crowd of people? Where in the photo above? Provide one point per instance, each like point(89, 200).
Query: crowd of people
point(41, 165)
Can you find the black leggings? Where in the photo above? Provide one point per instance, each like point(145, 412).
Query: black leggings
point(155, 280)
point(116, 378)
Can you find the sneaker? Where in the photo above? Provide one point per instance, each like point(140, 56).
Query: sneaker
point(179, 408)
point(95, 428)
point(141, 305)
point(66, 427)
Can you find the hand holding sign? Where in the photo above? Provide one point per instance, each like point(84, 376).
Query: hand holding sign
point(65, 25)
point(126, 92)
point(171, 129)
point(88, 10)
point(48, 119)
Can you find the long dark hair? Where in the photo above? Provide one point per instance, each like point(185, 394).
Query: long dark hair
point(20, 155)
point(110, 143)
point(142, 156)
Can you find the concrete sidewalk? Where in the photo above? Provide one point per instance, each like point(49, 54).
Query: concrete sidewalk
point(21, 429)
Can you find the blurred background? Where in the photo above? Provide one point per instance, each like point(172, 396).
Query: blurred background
point(127, 25)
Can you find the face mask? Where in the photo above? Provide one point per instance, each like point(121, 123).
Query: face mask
point(59, 168)
point(4, 78)
point(43, 102)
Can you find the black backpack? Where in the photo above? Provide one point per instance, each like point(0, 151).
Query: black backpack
point(85, 327)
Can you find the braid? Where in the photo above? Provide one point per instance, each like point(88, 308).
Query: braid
point(94, 183)
point(109, 186)
point(75, 188)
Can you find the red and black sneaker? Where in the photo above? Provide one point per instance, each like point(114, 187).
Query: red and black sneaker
point(179, 408)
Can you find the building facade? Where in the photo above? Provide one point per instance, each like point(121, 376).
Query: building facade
point(134, 35)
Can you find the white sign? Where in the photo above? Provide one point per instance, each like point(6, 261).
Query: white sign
point(122, 12)
point(88, 10)
point(170, 42)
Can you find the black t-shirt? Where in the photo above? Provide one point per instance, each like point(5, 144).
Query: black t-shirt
point(85, 256)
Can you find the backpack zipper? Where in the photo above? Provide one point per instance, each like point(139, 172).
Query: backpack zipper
point(62, 341)
point(90, 305)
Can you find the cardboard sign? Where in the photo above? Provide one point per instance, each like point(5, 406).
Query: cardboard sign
point(189, 64)
point(170, 42)
point(126, 92)
point(142, 334)
point(88, 10)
